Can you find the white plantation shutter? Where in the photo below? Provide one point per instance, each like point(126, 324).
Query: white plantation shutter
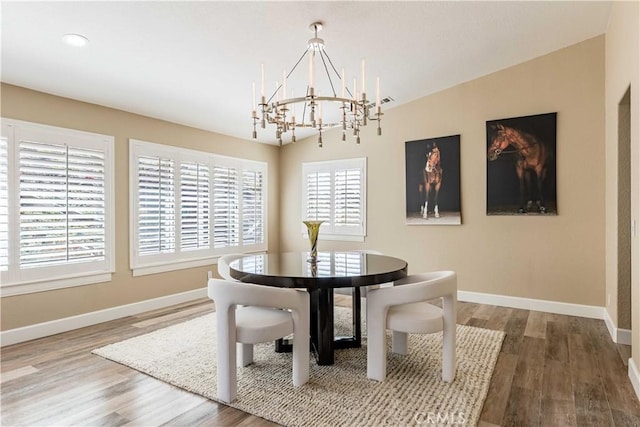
point(62, 204)
point(43, 204)
point(226, 205)
point(86, 206)
point(334, 192)
point(4, 204)
point(194, 206)
point(318, 196)
point(188, 207)
point(156, 205)
point(56, 211)
point(347, 199)
point(252, 207)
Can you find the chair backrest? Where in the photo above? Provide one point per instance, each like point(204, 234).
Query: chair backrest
point(223, 265)
point(419, 287)
point(226, 293)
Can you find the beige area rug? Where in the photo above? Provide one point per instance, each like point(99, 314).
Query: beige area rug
point(338, 395)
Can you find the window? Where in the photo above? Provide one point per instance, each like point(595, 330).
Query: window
point(188, 207)
point(56, 207)
point(334, 192)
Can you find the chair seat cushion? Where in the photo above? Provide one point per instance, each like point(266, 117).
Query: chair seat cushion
point(416, 318)
point(260, 324)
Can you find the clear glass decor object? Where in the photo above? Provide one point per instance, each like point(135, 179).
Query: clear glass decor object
point(313, 228)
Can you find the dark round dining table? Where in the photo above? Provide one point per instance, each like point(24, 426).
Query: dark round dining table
point(332, 269)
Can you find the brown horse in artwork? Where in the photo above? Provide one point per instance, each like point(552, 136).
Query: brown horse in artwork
point(431, 179)
point(532, 158)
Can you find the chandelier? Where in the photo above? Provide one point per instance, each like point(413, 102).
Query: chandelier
point(354, 111)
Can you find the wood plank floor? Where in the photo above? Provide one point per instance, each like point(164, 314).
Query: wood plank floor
point(553, 370)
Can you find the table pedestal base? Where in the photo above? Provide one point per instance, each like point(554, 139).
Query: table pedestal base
point(323, 341)
point(284, 345)
point(322, 323)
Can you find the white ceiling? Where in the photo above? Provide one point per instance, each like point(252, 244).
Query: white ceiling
point(193, 62)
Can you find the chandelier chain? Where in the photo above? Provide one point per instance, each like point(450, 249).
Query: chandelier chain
point(326, 69)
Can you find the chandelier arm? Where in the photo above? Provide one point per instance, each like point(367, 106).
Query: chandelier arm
point(326, 69)
point(321, 98)
point(324, 125)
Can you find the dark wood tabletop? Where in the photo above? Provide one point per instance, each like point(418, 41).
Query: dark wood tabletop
point(335, 269)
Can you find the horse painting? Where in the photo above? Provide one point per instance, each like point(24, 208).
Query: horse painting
point(532, 161)
point(431, 180)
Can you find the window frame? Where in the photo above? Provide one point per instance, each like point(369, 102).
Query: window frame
point(16, 280)
point(179, 258)
point(328, 230)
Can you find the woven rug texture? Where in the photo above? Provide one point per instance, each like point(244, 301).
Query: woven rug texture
point(338, 395)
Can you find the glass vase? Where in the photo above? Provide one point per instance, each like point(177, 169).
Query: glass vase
point(313, 228)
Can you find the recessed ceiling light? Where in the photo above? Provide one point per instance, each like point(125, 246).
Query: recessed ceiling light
point(75, 40)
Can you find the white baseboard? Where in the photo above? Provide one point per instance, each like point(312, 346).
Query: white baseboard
point(634, 376)
point(618, 335)
point(14, 336)
point(623, 336)
point(590, 311)
point(39, 330)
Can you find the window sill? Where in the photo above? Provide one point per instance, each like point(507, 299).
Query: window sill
point(338, 237)
point(50, 285)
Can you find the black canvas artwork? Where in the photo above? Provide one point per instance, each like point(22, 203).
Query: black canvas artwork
point(432, 169)
point(521, 166)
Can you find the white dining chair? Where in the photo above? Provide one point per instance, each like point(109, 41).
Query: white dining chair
point(404, 309)
point(268, 313)
point(223, 265)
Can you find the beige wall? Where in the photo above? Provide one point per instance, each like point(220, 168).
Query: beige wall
point(558, 258)
point(622, 71)
point(22, 104)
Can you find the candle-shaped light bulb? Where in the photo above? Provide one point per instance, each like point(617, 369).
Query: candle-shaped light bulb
point(378, 92)
point(342, 80)
point(277, 92)
point(293, 111)
point(355, 88)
